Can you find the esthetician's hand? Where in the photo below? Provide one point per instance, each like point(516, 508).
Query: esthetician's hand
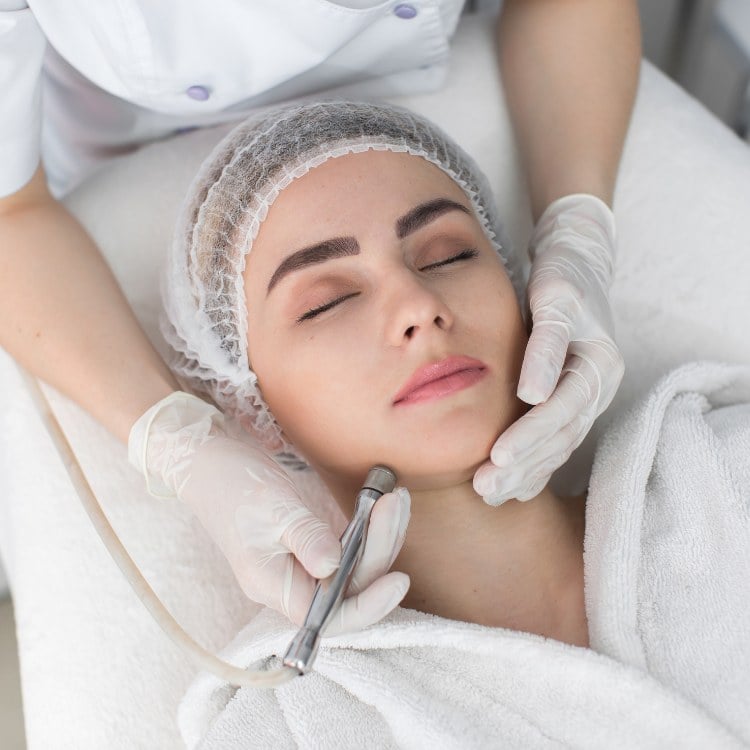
point(275, 545)
point(572, 249)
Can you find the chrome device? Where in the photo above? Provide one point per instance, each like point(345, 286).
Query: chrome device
point(304, 647)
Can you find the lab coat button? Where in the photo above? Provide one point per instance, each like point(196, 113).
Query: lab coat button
point(199, 93)
point(404, 10)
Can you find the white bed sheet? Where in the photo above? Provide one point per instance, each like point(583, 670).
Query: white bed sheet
point(96, 671)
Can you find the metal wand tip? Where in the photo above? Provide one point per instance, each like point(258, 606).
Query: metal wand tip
point(381, 479)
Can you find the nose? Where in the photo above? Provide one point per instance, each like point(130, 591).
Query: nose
point(416, 310)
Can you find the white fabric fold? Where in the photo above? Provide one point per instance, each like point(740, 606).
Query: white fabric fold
point(667, 560)
point(417, 681)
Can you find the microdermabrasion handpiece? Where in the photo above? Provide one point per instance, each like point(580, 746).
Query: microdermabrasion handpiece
point(304, 647)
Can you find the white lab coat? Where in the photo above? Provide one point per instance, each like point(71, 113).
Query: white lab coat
point(83, 81)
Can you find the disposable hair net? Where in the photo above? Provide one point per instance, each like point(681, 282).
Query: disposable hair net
point(203, 290)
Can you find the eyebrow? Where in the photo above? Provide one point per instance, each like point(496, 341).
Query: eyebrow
point(340, 247)
point(424, 214)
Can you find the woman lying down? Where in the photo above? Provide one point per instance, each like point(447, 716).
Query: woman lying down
point(350, 255)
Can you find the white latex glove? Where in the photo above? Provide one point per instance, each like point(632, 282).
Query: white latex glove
point(275, 545)
point(572, 249)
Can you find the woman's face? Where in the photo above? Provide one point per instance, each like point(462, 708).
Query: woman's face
point(381, 323)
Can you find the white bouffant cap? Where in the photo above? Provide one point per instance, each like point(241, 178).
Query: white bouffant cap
point(203, 292)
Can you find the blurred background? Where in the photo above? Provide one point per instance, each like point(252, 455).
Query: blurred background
point(704, 45)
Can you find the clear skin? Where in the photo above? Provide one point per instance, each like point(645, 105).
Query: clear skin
point(570, 74)
point(519, 565)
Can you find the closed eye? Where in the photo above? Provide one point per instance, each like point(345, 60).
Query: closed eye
point(467, 254)
point(328, 305)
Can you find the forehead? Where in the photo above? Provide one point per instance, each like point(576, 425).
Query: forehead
point(367, 165)
point(348, 195)
point(367, 176)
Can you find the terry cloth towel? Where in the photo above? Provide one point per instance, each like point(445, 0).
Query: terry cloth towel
point(667, 560)
point(667, 545)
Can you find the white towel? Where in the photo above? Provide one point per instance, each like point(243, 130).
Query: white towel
point(667, 557)
point(667, 546)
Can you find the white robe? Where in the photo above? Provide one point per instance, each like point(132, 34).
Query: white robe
point(667, 565)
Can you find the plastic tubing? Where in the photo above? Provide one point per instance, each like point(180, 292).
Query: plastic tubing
point(200, 656)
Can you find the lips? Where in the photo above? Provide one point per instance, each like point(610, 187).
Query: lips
point(440, 379)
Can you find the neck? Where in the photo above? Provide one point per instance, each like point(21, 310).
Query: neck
point(518, 566)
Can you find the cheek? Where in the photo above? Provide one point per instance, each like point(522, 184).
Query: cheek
point(512, 348)
point(488, 306)
point(290, 382)
point(313, 390)
point(501, 326)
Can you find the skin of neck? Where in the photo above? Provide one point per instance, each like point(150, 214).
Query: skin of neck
point(518, 565)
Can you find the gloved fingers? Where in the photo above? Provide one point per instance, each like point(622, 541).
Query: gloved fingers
point(527, 454)
point(486, 483)
point(526, 478)
point(312, 542)
point(257, 545)
point(542, 361)
point(370, 605)
point(601, 364)
point(555, 304)
point(529, 493)
point(385, 536)
point(572, 398)
point(279, 581)
point(276, 580)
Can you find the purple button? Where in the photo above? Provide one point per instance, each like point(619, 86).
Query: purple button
point(404, 10)
point(199, 93)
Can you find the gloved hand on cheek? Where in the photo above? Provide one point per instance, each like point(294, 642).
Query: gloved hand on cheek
point(572, 366)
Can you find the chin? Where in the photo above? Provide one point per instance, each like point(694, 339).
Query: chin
point(436, 471)
point(438, 480)
point(434, 450)
point(449, 459)
point(424, 465)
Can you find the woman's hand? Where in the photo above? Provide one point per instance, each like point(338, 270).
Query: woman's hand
point(573, 252)
point(275, 545)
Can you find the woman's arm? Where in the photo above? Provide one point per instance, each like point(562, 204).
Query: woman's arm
point(65, 319)
point(570, 72)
